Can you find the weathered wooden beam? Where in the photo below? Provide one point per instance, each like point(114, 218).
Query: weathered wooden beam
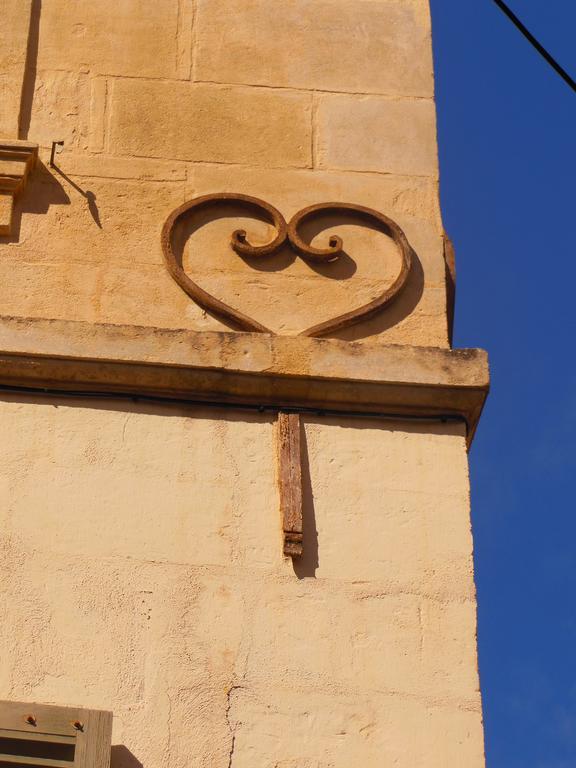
point(290, 481)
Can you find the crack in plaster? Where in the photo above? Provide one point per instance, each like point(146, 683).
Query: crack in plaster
point(231, 727)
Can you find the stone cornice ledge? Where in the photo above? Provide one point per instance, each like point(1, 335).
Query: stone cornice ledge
point(244, 368)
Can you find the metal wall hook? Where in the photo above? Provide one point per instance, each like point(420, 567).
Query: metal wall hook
point(53, 151)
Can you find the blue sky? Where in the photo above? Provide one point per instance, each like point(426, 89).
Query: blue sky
point(507, 134)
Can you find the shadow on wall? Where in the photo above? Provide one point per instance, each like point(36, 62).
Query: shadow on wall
point(43, 190)
point(305, 566)
point(30, 70)
point(344, 269)
point(401, 308)
point(121, 757)
point(89, 196)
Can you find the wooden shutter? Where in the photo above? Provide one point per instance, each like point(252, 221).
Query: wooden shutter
point(44, 736)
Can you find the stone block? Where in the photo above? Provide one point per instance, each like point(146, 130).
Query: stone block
point(393, 537)
point(335, 729)
point(435, 451)
point(401, 197)
point(369, 133)
point(94, 292)
point(98, 114)
point(110, 220)
point(333, 45)
point(130, 38)
point(113, 482)
point(310, 635)
point(116, 272)
point(289, 303)
point(154, 643)
point(410, 521)
point(127, 292)
point(316, 635)
point(103, 166)
point(211, 123)
point(449, 648)
point(66, 609)
point(60, 109)
point(165, 305)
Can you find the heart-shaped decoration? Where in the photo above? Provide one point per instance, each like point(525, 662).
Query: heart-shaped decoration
point(285, 232)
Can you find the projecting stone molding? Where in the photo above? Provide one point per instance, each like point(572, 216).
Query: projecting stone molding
point(17, 158)
point(247, 369)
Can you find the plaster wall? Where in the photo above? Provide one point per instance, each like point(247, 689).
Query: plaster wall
point(142, 571)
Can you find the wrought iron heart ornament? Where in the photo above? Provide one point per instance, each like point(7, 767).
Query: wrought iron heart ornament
point(285, 233)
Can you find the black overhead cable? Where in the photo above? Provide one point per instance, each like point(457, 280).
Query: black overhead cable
point(540, 48)
point(310, 411)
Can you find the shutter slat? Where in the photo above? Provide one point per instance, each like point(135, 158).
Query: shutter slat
point(49, 719)
point(25, 760)
point(53, 738)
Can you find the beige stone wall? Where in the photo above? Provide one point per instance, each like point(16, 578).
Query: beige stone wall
point(298, 103)
point(142, 571)
point(141, 545)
